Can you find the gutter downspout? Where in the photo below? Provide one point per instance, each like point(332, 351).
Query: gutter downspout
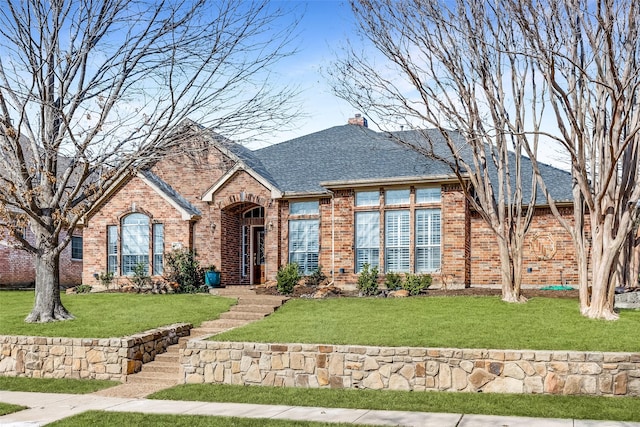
point(333, 239)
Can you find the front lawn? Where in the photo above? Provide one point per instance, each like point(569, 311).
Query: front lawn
point(103, 418)
point(522, 405)
point(54, 385)
point(457, 322)
point(6, 408)
point(109, 315)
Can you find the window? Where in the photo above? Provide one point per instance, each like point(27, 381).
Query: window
point(367, 198)
point(428, 195)
point(304, 208)
point(303, 244)
point(397, 235)
point(112, 249)
point(246, 251)
point(76, 247)
point(135, 243)
point(427, 240)
point(397, 197)
point(367, 239)
point(158, 249)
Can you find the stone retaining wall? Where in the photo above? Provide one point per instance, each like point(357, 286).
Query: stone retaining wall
point(406, 368)
point(101, 359)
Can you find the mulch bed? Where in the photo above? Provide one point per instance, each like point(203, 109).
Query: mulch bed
point(304, 291)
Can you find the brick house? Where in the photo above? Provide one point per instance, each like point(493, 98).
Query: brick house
point(337, 198)
point(17, 267)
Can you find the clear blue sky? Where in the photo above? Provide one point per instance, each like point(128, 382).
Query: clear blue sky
point(325, 25)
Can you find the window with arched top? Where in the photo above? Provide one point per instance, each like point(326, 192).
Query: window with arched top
point(137, 241)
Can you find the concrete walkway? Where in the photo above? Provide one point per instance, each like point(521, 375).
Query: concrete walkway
point(49, 407)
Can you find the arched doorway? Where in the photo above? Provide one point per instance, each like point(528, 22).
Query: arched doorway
point(243, 243)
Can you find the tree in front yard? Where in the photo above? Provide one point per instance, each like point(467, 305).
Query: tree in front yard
point(446, 65)
point(509, 74)
point(91, 91)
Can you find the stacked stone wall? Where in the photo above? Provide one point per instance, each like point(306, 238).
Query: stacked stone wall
point(85, 358)
point(408, 368)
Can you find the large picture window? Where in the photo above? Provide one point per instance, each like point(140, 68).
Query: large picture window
point(135, 243)
point(396, 241)
point(427, 240)
point(367, 239)
point(304, 244)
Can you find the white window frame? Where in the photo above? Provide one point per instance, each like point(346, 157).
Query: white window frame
point(428, 239)
point(134, 239)
point(304, 244)
point(311, 207)
point(368, 198)
point(367, 239)
point(112, 249)
point(428, 195)
point(397, 237)
point(397, 197)
point(158, 249)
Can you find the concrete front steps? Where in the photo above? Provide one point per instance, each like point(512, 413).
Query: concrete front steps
point(164, 371)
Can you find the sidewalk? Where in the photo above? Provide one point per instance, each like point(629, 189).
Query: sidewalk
point(48, 407)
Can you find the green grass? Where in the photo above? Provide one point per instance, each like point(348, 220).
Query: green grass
point(100, 418)
point(458, 322)
point(524, 405)
point(51, 385)
point(109, 315)
point(6, 408)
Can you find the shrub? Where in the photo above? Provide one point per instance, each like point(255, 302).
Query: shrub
point(183, 268)
point(368, 280)
point(106, 278)
point(315, 278)
point(393, 281)
point(416, 283)
point(83, 289)
point(287, 277)
point(140, 277)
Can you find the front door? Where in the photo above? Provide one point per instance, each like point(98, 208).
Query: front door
point(258, 255)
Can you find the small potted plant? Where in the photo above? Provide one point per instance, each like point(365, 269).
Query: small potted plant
point(212, 276)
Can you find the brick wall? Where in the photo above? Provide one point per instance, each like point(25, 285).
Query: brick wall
point(549, 256)
point(138, 197)
point(238, 195)
point(17, 268)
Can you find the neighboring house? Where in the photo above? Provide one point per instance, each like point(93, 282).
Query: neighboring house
point(17, 266)
point(338, 198)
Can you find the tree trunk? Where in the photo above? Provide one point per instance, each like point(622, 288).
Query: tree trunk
point(48, 306)
point(603, 279)
point(511, 276)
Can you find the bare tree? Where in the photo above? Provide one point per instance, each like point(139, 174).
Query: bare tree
point(589, 53)
point(91, 90)
point(454, 66)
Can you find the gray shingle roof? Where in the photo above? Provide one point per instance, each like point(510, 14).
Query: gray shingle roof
point(249, 158)
point(558, 182)
point(342, 153)
point(171, 193)
point(353, 153)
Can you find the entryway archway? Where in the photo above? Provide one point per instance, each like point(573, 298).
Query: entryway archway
point(243, 243)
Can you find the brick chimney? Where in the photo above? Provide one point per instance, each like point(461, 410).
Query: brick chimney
point(358, 120)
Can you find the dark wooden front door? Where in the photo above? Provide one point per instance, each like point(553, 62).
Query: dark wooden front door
point(258, 255)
